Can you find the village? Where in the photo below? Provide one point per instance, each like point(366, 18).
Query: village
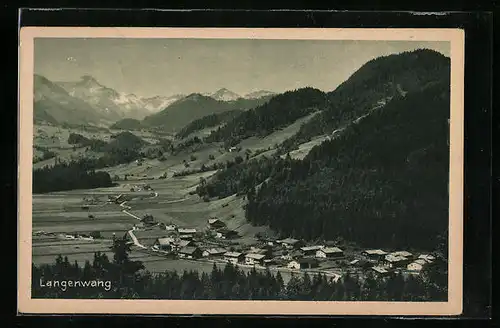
point(218, 244)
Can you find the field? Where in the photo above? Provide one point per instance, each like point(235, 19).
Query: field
point(58, 214)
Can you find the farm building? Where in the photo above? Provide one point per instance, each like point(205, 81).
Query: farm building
point(190, 252)
point(215, 223)
point(234, 257)
point(170, 227)
point(305, 263)
point(416, 266)
point(186, 237)
point(270, 262)
point(226, 234)
point(182, 243)
point(380, 270)
point(290, 243)
point(427, 258)
point(330, 252)
point(392, 261)
point(184, 231)
point(311, 250)
point(252, 259)
point(374, 254)
point(164, 243)
point(214, 252)
point(403, 254)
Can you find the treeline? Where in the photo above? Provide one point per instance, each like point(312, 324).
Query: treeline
point(280, 111)
point(122, 278)
point(375, 83)
point(388, 173)
point(46, 154)
point(207, 122)
point(68, 176)
point(119, 142)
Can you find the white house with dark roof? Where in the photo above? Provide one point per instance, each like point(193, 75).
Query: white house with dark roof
point(330, 252)
point(253, 259)
point(233, 257)
point(311, 250)
point(374, 254)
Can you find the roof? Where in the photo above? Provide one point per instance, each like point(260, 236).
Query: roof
point(375, 252)
point(188, 250)
point(420, 261)
point(233, 254)
point(255, 256)
point(417, 265)
point(354, 262)
point(216, 251)
point(331, 250)
point(393, 258)
point(288, 241)
point(312, 248)
point(427, 257)
point(182, 230)
point(166, 241)
point(380, 269)
point(402, 253)
point(212, 221)
point(184, 243)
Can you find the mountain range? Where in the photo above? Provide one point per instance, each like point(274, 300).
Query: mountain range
point(87, 100)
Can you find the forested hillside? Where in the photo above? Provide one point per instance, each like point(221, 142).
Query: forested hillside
point(127, 124)
point(388, 173)
point(280, 111)
point(208, 122)
point(195, 106)
point(373, 85)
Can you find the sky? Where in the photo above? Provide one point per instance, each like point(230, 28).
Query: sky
point(164, 67)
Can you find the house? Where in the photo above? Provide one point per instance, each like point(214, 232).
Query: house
point(374, 254)
point(164, 243)
point(403, 254)
point(311, 250)
point(233, 257)
point(190, 252)
point(330, 252)
point(354, 262)
point(215, 223)
point(170, 227)
point(427, 258)
point(184, 243)
point(416, 266)
point(265, 251)
point(232, 149)
point(214, 252)
point(305, 263)
point(183, 231)
point(392, 261)
point(290, 243)
point(269, 262)
point(253, 259)
point(148, 219)
point(380, 270)
point(226, 234)
point(186, 237)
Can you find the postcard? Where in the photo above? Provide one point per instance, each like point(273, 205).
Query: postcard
point(255, 171)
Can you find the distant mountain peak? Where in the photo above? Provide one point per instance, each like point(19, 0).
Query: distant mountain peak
point(224, 94)
point(259, 94)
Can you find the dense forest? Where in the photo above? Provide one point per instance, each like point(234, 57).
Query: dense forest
point(280, 111)
point(122, 277)
point(208, 122)
point(387, 173)
point(374, 84)
point(240, 178)
point(68, 176)
point(195, 106)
